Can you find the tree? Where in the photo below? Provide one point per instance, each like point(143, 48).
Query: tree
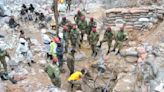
point(56, 14)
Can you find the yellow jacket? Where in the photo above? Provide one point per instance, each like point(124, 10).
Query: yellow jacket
point(53, 47)
point(75, 76)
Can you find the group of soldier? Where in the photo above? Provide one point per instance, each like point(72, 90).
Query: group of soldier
point(75, 33)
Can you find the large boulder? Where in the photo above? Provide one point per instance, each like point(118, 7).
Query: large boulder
point(125, 83)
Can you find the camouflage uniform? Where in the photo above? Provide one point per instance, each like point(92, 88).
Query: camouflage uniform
point(71, 62)
point(74, 35)
point(108, 37)
point(120, 38)
point(94, 37)
point(77, 17)
point(3, 54)
point(83, 28)
point(64, 21)
point(66, 37)
point(54, 74)
point(91, 25)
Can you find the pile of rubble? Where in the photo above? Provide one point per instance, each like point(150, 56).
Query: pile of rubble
point(141, 18)
point(138, 65)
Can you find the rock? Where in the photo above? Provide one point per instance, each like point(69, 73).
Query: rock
point(159, 62)
point(42, 62)
point(150, 25)
point(141, 50)
point(154, 20)
point(125, 84)
point(130, 68)
point(131, 59)
point(129, 52)
point(160, 16)
point(80, 56)
point(160, 88)
point(143, 20)
point(132, 43)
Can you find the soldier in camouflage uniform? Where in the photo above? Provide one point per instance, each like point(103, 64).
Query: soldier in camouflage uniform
point(53, 72)
point(64, 21)
point(69, 25)
point(120, 38)
point(77, 17)
point(66, 36)
point(74, 36)
point(3, 54)
point(108, 37)
point(71, 61)
point(91, 25)
point(83, 27)
point(94, 38)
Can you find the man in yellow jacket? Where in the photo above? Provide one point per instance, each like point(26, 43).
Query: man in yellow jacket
point(75, 78)
point(53, 46)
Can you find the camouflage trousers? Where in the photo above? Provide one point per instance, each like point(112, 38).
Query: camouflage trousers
point(108, 41)
point(118, 44)
point(3, 62)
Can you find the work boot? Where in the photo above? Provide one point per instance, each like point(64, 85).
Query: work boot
point(99, 46)
point(81, 41)
point(108, 52)
point(79, 46)
point(95, 54)
point(118, 53)
point(29, 64)
point(113, 50)
point(32, 61)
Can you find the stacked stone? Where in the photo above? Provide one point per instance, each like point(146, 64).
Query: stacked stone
point(135, 18)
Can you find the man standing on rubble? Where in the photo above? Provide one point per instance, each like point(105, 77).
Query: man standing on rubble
point(108, 37)
point(120, 38)
point(66, 36)
point(3, 54)
point(54, 73)
point(94, 38)
point(77, 17)
point(24, 51)
point(71, 61)
point(74, 35)
point(91, 25)
point(83, 27)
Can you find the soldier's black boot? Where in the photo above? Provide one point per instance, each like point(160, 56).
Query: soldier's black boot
point(32, 61)
point(113, 50)
point(108, 52)
point(29, 64)
point(95, 54)
point(81, 40)
point(79, 46)
point(118, 53)
point(99, 45)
